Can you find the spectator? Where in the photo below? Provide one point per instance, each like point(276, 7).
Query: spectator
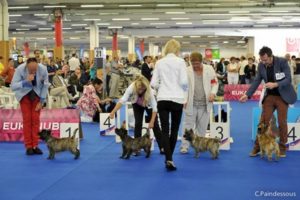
point(8, 72)
point(74, 63)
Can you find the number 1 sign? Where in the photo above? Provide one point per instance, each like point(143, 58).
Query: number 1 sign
point(68, 130)
point(107, 125)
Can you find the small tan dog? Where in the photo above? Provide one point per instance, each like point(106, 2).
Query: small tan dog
point(201, 144)
point(267, 142)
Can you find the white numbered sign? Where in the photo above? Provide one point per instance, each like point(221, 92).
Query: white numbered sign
point(293, 143)
point(98, 52)
point(221, 130)
point(68, 129)
point(107, 125)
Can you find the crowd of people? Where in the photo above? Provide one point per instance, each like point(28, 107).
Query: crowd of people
point(167, 86)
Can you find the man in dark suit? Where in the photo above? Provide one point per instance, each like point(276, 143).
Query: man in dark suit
point(279, 93)
point(146, 68)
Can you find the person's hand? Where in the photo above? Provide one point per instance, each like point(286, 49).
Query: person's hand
point(112, 115)
point(184, 105)
point(151, 125)
point(108, 100)
point(243, 98)
point(30, 77)
point(211, 97)
point(271, 85)
point(39, 106)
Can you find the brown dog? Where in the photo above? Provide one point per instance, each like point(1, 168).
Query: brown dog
point(267, 142)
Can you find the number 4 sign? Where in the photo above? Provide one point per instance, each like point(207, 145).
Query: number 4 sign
point(107, 125)
point(293, 143)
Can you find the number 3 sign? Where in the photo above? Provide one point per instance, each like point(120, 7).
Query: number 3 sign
point(221, 130)
point(107, 125)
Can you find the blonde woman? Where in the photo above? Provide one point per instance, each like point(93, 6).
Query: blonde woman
point(142, 98)
point(171, 81)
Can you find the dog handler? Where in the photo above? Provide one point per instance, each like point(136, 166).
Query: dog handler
point(30, 84)
point(279, 93)
point(142, 98)
point(203, 86)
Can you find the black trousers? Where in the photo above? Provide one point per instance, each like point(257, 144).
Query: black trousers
point(165, 108)
point(138, 112)
point(105, 109)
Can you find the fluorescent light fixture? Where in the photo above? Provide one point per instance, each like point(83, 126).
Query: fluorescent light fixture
point(92, 20)
point(92, 6)
point(225, 42)
point(135, 24)
point(55, 6)
point(130, 5)
point(260, 26)
point(22, 29)
point(184, 23)
point(285, 25)
point(41, 38)
point(41, 14)
point(239, 11)
point(18, 7)
point(87, 28)
point(186, 42)
point(241, 42)
point(45, 29)
point(103, 24)
point(120, 19)
point(208, 4)
point(180, 18)
point(78, 24)
point(240, 19)
point(18, 32)
point(80, 14)
point(177, 36)
point(213, 42)
point(27, 25)
point(248, 4)
point(158, 23)
point(149, 19)
point(168, 5)
point(17, 15)
point(108, 37)
point(81, 31)
point(108, 13)
point(67, 28)
point(115, 27)
point(175, 13)
point(74, 38)
point(286, 3)
point(12, 21)
point(237, 22)
point(195, 36)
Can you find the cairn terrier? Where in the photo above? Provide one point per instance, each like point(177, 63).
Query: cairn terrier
point(267, 142)
point(202, 144)
point(60, 144)
point(131, 145)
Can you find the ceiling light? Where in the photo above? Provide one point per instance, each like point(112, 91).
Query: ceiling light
point(80, 14)
point(18, 15)
point(121, 19)
point(241, 42)
point(92, 6)
point(41, 38)
point(260, 26)
point(41, 14)
point(55, 6)
point(175, 13)
point(210, 21)
point(248, 4)
point(184, 23)
point(212, 36)
point(149, 19)
point(108, 13)
point(180, 18)
point(208, 4)
point(195, 36)
point(278, 11)
point(177, 36)
point(92, 20)
point(12, 21)
point(27, 25)
point(134, 24)
point(74, 38)
point(158, 23)
point(80, 31)
point(213, 42)
point(225, 42)
point(130, 5)
point(78, 24)
point(22, 29)
point(18, 7)
point(168, 5)
point(115, 27)
point(286, 3)
point(44, 29)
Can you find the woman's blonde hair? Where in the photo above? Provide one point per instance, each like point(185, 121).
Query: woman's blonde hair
point(172, 46)
point(142, 82)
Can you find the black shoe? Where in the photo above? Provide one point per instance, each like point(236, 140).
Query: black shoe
point(170, 166)
point(37, 151)
point(29, 152)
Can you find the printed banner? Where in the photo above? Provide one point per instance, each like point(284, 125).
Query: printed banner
point(11, 122)
point(208, 53)
point(234, 92)
point(292, 44)
point(215, 53)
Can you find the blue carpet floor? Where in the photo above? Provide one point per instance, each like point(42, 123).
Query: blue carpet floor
point(100, 174)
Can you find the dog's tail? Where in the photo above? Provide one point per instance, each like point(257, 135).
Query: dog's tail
point(74, 133)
